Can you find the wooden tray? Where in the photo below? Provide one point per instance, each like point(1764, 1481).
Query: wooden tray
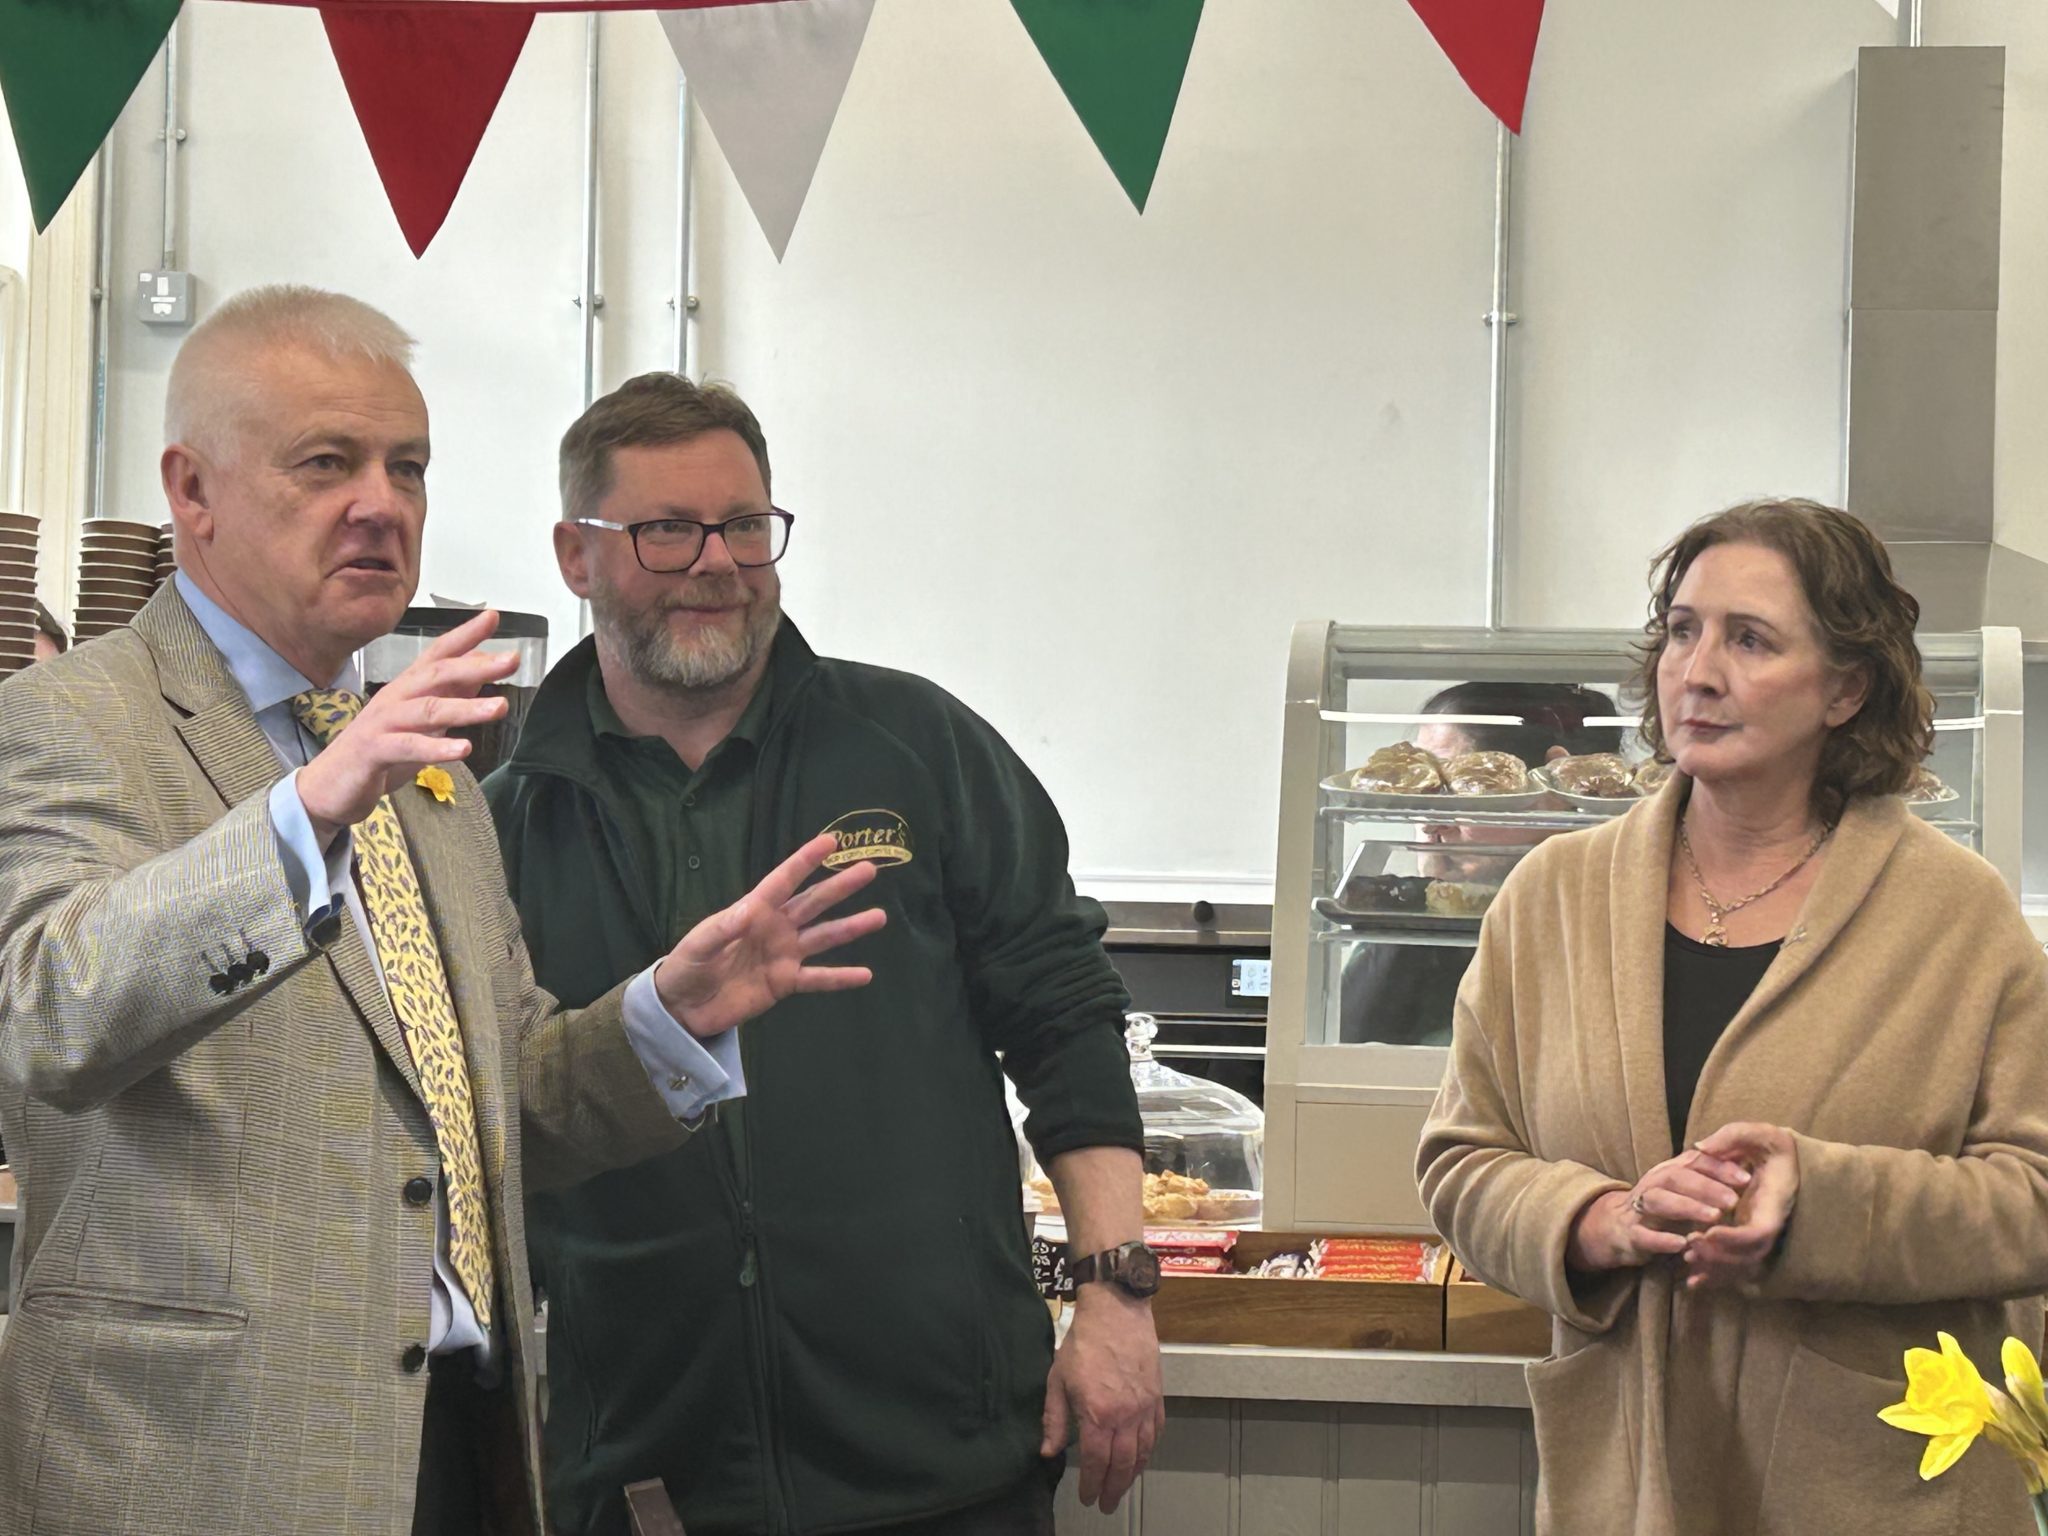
point(1478, 1320)
point(1308, 1314)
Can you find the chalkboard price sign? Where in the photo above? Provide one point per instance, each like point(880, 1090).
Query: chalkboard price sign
point(1049, 1268)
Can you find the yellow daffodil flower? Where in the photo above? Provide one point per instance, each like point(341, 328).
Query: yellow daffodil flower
point(2023, 1385)
point(1946, 1400)
point(441, 785)
point(2020, 1414)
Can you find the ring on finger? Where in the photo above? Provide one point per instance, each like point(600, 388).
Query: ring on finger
point(1635, 1203)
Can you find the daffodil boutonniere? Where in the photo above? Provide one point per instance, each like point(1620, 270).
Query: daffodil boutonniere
point(1951, 1404)
point(437, 782)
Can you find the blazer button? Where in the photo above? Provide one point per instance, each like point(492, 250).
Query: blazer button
point(414, 1357)
point(419, 1191)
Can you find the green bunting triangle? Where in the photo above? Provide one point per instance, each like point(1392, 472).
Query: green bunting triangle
point(1121, 63)
point(67, 68)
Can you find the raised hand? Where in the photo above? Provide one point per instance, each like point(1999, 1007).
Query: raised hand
point(738, 963)
point(404, 727)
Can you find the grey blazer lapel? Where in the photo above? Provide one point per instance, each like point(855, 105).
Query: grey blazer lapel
point(213, 714)
point(237, 758)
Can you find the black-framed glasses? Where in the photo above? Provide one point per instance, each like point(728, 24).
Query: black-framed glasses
point(666, 546)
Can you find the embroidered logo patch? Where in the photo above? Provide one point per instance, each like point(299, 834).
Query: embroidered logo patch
point(873, 836)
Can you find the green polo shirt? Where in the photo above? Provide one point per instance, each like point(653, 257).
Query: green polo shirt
point(691, 827)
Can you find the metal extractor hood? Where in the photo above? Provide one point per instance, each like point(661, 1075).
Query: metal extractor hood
point(1923, 333)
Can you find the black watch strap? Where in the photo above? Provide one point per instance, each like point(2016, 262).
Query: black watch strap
point(1132, 1267)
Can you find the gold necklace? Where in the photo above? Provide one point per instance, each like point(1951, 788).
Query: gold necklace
point(1717, 915)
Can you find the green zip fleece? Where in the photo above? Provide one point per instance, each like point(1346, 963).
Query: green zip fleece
point(822, 1317)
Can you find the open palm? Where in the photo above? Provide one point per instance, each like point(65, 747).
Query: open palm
point(737, 964)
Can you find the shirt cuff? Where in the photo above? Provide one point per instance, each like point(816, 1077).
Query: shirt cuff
point(690, 1075)
point(318, 881)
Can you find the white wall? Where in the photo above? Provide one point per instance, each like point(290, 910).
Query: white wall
point(1086, 468)
point(1682, 251)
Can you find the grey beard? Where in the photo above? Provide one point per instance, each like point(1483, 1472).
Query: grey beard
point(657, 659)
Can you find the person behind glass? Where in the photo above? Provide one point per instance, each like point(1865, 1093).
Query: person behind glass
point(1401, 994)
point(1773, 985)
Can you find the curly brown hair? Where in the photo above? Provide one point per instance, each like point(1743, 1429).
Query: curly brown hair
point(1863, 617)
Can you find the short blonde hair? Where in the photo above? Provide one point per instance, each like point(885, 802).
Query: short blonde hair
point(209, 379)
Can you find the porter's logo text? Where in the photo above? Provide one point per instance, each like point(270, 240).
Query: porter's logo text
point(876, 837)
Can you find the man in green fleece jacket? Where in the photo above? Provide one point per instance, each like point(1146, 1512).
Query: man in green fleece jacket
point(820, 1315)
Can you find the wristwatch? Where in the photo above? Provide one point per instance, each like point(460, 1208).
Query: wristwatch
point(1132, 1267)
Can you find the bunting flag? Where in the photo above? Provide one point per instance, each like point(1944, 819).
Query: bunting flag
point(1492, 44)
point(769, 77)
point(68, 67)
point(424, 81)
point(1120, 63)
point(425, 77)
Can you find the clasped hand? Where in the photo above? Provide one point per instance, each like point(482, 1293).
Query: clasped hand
point(1718, 1208)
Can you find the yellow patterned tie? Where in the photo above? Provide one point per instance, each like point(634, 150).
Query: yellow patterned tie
point(418, 988)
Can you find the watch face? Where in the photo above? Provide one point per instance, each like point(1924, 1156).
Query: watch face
point(1139, 1272)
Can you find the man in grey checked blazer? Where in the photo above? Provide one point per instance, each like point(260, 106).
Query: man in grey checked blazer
point(233, 1311)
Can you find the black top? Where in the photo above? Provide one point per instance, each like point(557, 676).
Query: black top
point(1704, 988)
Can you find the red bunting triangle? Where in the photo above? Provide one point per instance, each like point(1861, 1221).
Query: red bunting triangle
point(1492, 43)
point(424, 81)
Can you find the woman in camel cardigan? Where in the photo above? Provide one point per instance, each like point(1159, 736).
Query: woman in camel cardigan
point(1770, 986)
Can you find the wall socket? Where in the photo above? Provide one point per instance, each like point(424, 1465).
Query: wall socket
point(164, 298)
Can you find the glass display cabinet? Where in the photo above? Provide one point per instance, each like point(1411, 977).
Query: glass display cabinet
point(1380, 887)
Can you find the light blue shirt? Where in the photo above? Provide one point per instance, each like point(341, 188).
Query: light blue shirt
point(690, 1077)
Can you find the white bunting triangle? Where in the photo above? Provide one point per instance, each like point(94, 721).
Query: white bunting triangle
point(769, 78)
point(1891, 8)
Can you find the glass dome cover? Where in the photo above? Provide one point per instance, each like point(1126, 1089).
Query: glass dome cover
point(1204, 1143)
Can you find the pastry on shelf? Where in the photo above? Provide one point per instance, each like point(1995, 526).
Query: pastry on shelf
point(1486, 773)
point(1402, 769)
point(1925, 788)
point(1173, 1197)
point(1460, 898)
point(1384, 893)
point(1168, 1197)
point(1598, 776)
point(1650, 776)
